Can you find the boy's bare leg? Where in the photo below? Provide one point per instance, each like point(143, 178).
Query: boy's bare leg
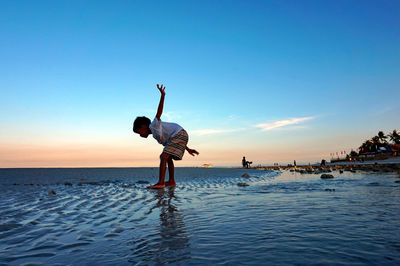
point(171, 181)
point(163, 167)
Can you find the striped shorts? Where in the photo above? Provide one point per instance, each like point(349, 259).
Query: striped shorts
point(177, 144)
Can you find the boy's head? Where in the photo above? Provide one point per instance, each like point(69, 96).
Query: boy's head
point(141, 126)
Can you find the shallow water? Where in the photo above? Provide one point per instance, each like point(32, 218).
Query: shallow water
point(105, 216)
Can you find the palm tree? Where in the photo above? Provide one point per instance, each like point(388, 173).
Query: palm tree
point(395, 137)
point(367, 146)
point(382, 137)
point(376, 140)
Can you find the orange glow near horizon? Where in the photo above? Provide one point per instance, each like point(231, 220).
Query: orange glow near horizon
point(145, 154)
point(129, 150)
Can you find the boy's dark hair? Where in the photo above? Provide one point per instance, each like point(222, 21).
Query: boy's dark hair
point(140, 121)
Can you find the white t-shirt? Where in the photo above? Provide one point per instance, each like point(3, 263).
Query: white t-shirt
point(164, 131)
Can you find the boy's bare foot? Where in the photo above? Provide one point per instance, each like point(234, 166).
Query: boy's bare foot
point(157, 186)
point(170, 184)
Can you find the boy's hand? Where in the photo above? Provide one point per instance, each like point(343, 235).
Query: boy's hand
point(192, 152)
point(161, 104)
point(161, 89)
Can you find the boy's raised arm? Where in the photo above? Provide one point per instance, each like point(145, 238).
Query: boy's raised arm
point(161, 104)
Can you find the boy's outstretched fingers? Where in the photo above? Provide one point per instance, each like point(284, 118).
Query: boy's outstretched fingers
point(161, 89)
point(193, 152)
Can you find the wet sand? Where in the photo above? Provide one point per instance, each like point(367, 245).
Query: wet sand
point(108, 217)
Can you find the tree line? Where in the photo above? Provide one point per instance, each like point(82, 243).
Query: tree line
point(380, 140)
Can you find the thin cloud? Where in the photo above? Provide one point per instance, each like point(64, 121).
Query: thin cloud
point(171, 115)
point(282, 123)
point(202, 132)
point(233, 117)
point(384, 110)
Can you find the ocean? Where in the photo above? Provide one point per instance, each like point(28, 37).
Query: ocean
point(106, 216)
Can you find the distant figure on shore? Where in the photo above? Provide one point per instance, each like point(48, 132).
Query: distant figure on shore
point(294, 163)
point(323, 162)
point(246, 164)
point(172, 136)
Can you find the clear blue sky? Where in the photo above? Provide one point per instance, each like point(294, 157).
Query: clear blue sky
point(74, 75)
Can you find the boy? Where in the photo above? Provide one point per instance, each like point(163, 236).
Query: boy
point(172, 136)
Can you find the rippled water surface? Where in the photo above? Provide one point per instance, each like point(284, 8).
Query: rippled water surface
point(106, 216)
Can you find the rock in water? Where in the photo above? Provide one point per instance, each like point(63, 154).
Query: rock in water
point(246, 175)
point(52, 192)
point(325, 176)
point(242, 184)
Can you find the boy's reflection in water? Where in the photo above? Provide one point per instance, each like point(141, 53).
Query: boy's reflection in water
point(171, 244)
point(172, 228)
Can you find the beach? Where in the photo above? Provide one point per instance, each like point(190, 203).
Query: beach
point(106, 216)
point(387, 165)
